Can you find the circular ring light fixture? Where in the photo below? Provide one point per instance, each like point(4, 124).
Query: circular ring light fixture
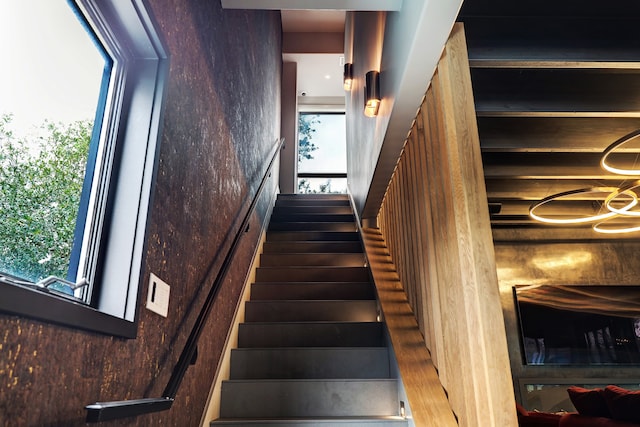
point(625, 210)
point(614, 146)
point(601, 228)
point(581, 220)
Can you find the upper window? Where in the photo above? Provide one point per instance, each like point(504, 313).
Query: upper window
point(77, 75)
point(322, 152)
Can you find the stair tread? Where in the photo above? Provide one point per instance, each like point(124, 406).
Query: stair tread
point(312, 422)
point(311, 322)
point(309, 301)
point(312, 380)
point(311, 349)
point(314, 267)
point(291, 419)
point(319, 282)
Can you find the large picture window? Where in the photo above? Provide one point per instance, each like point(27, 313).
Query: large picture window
point(322, 152)
point(72, 233)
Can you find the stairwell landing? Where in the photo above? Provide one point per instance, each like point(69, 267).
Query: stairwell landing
point(311, 351)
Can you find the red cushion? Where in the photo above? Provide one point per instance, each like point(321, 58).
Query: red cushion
point(577, 420)
point(589, 402)
point(536, 419)
point(623, 404)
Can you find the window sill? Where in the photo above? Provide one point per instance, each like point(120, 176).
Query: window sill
point(23, 301)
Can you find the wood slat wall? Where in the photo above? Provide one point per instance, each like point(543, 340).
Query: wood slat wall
point(435, 223)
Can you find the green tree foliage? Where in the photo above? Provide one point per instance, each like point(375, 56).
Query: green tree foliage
point(306, 123)
point(41, 182)
point(304, 187)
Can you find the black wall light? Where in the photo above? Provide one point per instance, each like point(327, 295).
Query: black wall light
point(372, 94)
point(348, 76)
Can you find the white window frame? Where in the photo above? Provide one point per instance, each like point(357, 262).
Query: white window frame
point(132, 128)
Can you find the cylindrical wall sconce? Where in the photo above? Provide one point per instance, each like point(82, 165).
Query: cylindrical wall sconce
point(372, 94)
point(348, 76)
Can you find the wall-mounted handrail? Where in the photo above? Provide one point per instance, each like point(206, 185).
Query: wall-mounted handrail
point(104, 411)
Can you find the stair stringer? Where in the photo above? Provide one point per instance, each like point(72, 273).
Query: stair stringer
point(223, 370)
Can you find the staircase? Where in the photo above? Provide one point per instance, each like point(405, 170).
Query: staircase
point(311, 351)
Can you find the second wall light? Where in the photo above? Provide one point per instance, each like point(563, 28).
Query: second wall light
point(372, 94)
point(348, 76)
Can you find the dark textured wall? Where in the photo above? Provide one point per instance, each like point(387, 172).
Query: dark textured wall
point(222, 117)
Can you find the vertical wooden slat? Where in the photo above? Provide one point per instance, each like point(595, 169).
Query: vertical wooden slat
point(414, 228)
point(400, 211)
point(407, 273)
point(421, 230)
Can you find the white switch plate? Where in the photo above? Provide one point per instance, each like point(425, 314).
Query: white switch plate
point(158, 297)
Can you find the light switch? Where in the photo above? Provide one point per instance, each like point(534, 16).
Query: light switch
point(158, 298)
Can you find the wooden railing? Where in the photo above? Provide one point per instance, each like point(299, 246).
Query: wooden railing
point(104, 411)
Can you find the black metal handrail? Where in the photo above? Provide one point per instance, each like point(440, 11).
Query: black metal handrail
point(104, 411)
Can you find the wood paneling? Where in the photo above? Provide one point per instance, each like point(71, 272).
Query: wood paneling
point(436, 225)
point(429, 405)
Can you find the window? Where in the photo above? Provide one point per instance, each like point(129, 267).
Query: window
point(78, 223)
point(322, 154)
point(53, 96)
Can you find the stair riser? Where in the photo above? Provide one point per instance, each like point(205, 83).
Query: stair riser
point(312, 274)
point(312, 226)
point(313, 259)
point(310, 311)
point(316, 196)
point(311, 247)
point(309, 363)
point(320, 334)
point(308, 398)
point(313, 210)
point(286, 203)
point(312, 291)
point(300, 236)
point(306, 217)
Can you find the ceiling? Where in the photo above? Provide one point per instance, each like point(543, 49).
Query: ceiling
point(319, 74)
point(554, 84)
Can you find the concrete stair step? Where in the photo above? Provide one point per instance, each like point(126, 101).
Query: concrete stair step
point(311, 311)
point(312, 202)
point(302, 209)
point(333, 236)
point(316, 196)
point(312, 247)
point(288, 216)
point(311, 334)
point(312, 259)
point(310, 363)
point(314, 422)
point(312, 291)
point(309, 398)
point(312, 226)
point(312, 274)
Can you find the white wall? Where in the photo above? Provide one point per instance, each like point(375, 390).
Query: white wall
point(405, 47)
